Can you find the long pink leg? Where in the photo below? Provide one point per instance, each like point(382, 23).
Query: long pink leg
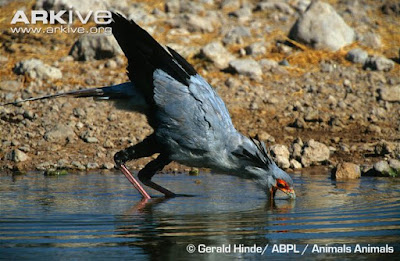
point(134, 182)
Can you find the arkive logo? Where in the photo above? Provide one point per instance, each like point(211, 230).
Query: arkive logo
point(61, 17)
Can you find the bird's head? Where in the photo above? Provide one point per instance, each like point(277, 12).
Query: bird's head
point(275, 182)
point(258, 165)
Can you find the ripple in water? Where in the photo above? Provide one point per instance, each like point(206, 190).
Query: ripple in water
point(101, 216)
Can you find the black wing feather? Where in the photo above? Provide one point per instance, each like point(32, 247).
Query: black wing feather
point(186, 66)
point(145, 55)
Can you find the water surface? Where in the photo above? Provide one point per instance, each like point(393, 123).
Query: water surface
point(100, 216)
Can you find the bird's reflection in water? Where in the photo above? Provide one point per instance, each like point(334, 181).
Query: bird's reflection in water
point(144, 206)
point(161, 233)
point(282, 206)
point(347, 185)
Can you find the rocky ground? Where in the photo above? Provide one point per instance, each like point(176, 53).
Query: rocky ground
point(321, 86)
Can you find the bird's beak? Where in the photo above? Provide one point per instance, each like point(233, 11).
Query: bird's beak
point(282, 193)
point(290, 193)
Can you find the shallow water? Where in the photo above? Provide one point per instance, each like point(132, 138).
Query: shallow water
point(100, 216)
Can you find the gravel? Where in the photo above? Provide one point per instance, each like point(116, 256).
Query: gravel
point(230, 5)
point(11, 86)
point(390, 8)
point(372, 40)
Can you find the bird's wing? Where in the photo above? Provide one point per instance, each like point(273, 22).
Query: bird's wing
point(145, 55)
point(192, 115)
point(185, 108)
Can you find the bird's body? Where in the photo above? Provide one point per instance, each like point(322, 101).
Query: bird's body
point(196, 136)
point(191, 123)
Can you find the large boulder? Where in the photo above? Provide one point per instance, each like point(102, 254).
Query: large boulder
point(322, 28)
point(314, 153)
point(281, 155)
point(346, 170)
point(95, 47)
point(384, 168)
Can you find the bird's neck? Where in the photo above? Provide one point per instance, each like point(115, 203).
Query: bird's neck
point(228, 163)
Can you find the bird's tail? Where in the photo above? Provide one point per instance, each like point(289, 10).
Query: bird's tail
point(123, 91)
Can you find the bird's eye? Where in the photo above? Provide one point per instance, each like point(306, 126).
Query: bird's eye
point(281, 184)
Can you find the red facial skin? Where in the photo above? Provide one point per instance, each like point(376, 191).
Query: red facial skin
point(284, 187)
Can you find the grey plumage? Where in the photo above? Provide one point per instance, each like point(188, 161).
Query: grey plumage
point(191, 123)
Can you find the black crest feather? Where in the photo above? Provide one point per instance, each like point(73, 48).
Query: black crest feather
point(260, 157)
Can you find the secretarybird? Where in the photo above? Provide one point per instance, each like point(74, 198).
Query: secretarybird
point(191, 123)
